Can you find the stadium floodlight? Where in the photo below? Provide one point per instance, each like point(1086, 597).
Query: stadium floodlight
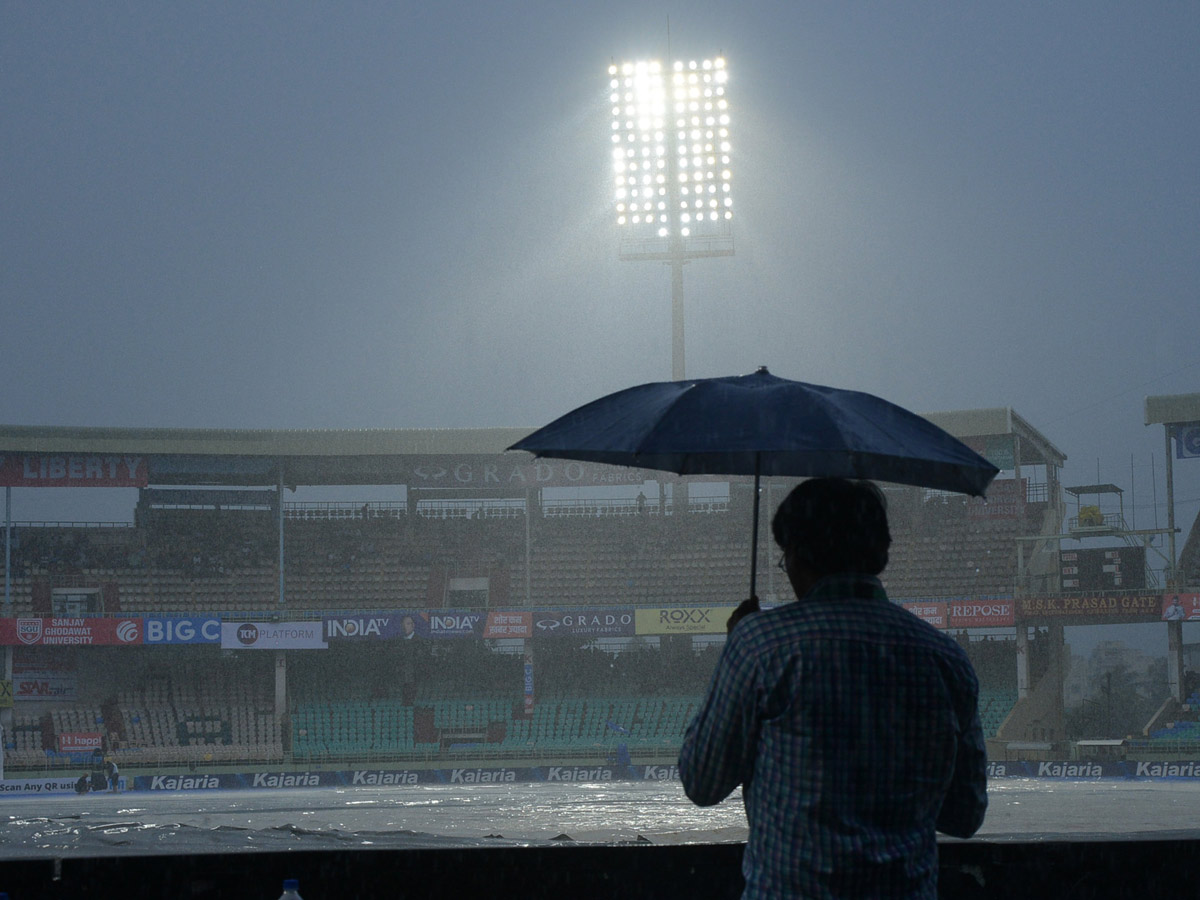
point(671, 166)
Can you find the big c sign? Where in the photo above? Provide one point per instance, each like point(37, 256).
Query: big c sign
point(180, 630)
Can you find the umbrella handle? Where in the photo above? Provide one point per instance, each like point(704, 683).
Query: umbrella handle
point(754, 529)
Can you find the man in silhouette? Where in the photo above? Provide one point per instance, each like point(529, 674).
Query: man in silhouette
point(851, 725)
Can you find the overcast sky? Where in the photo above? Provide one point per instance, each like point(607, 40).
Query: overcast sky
point(362, 215)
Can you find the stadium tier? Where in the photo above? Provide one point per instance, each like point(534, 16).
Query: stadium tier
point(220, 563)
point(482, 615)
point(423, 705)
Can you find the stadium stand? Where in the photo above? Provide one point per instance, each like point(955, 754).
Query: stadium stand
point(186, 719)
point(221, 562)
point(28, 743)
point(1179, 736)
point(352, 730)
point(566, 728)
point(994, 707)
point(216, 553)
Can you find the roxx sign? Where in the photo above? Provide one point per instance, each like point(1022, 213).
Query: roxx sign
point(682, 620)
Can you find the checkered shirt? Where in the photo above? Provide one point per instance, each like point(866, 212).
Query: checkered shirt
point(853, 727)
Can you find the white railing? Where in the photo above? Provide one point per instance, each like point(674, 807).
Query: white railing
point(340, 509)
point(510, 508)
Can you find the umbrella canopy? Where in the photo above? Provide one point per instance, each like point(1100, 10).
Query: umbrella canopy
point(758, 425)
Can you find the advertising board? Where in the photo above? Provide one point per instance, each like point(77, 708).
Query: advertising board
point(272, 636)
point(513, 471)
point(931, 611)
point(79, 741)
point(981, 612)
point(508, 624)
point(683, 620)
point(182, 630)
point(404, 624)
point(30, 631)
point(455, 623)
point(48, 684)
point(73, 470)
point(1005, 500)
point(1092, 608)
point(583, 623)
point(1180, 607)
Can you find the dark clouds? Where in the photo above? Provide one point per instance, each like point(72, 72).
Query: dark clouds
point(385, 215)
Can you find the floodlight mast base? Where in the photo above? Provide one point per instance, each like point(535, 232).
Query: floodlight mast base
point(677, 366)
point(677, 252)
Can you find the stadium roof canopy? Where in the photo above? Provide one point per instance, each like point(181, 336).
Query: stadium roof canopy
point(1170, 409)
point(1032, 447)
point(258, 442)
point(217, 456)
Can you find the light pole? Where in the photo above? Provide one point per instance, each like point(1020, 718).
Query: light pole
point(671, 161)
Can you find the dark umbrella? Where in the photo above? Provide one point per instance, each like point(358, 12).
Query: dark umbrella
point(762, 425)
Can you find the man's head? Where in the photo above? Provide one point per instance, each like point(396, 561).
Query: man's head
point(829, 526)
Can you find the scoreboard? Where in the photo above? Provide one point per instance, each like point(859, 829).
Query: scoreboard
point(1103, 569)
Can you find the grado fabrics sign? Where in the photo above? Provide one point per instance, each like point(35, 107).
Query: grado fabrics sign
point(518, 472)
point(683, 620)
point(583, 623)
point(1098, 608)
point(272, 636)
point(50, 470)
point(70, 632)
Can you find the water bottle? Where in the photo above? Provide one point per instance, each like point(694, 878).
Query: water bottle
point(291, 889)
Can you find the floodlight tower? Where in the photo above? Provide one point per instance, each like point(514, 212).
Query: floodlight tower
point(671, 152)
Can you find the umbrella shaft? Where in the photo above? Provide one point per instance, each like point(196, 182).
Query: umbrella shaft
point(754, 530)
